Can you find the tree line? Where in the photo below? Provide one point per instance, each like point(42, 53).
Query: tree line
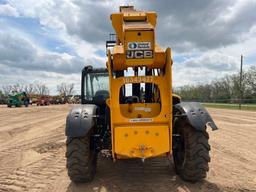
point(224, 90)
point(63, 89)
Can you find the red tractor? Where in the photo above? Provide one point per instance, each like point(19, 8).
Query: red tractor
point(43, 100)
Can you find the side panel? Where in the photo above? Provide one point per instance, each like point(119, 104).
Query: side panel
point(196, 115)
point(80, 120)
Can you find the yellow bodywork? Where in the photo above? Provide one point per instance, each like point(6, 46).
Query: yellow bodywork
point(141, 141)
point(139, 130)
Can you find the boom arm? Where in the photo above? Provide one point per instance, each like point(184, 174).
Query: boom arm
point(136, 44)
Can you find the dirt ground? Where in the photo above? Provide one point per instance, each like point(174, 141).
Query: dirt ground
point(32, 147)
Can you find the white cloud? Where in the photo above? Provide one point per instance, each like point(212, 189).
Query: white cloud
point(211, 35)
point(8, 10)
point(19, 52)
point(212, 64)
point(12, 75)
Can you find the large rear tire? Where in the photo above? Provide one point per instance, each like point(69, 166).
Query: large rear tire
point(81, 159)
point(191, 156)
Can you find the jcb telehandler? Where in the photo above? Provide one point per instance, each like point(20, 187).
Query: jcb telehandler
point(128, 109)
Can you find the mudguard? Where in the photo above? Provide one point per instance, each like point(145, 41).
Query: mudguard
point(197, 116)
point(80, 120)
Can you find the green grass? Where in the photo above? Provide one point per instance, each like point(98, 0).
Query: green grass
point(251, 107)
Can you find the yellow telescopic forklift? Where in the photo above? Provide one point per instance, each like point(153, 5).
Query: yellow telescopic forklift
point(128, 109)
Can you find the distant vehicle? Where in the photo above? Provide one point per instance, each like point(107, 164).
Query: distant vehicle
point(58, 100)
point(43, 100)
point(18, 99)
point(34, 101)
point(75, 99)
point(3, 100)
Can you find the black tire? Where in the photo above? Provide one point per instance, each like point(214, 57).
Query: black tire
point(81, 160)
point(191, 157)
point(26, 103)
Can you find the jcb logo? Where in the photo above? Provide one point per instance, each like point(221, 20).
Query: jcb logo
point(139, 54)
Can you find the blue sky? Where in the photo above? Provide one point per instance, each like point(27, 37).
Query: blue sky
point(42, 35)
point(50, 41)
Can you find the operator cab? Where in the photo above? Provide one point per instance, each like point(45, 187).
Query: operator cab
point(95, 86)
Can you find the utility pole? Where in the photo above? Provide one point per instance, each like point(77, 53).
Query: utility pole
point(241, 79)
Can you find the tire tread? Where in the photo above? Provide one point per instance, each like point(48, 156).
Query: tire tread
point(197, 156)
point(81, 161)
